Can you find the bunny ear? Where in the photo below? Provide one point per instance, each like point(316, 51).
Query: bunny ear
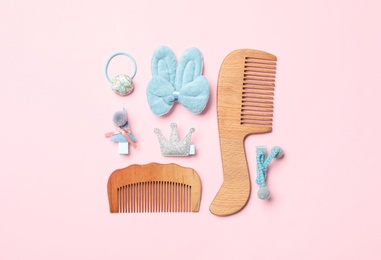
point(164, 63)
point(189, 67)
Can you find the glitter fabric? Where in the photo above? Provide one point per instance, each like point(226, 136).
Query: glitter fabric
point(122, 85)
point(174, 146)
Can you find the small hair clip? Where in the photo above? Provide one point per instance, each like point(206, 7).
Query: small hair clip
point(122, 133)
point(174, 146)
point(262, 163)
point(121, 84)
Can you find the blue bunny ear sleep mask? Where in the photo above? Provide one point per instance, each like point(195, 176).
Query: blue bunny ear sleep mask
point(172, 82)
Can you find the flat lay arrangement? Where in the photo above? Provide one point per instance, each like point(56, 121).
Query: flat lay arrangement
point(245, 105)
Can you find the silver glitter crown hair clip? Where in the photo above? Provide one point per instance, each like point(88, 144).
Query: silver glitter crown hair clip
point(174, 146)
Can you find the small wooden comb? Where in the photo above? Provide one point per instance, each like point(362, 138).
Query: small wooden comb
point(154, 187)
point(245, 92)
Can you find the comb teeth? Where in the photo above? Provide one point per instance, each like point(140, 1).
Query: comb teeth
point(154, 196)
point(257, 92)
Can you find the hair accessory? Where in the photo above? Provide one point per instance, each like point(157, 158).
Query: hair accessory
point(181, 83)
point(262, 163)
point(173, 146)
point(121, 84)
point(122, 133)
point(154, 187)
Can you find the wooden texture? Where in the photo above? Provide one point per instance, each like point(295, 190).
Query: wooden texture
point(154, 188)
point(245, 93)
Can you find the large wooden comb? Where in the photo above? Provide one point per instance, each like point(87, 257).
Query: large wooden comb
point(245, 93)
point(154, 188)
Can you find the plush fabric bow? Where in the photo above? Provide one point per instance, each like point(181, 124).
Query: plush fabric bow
point(181, 83)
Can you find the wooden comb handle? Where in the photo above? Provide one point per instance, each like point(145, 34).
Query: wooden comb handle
point(244, 106)
point(235, 190)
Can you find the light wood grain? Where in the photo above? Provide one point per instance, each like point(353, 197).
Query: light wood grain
point(154, 188)
point(244, 106)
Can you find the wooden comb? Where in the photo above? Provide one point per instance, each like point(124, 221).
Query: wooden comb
point(154, 188)
point(245, 93)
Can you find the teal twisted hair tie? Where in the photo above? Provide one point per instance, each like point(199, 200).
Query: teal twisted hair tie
point(262, 163)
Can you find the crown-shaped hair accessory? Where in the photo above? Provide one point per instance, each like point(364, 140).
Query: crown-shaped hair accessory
point(174, 146)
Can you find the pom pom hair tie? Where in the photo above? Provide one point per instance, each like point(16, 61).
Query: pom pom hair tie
point(121, 84)
point(262, 163)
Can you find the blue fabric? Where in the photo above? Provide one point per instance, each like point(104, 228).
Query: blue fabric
point(119, 138)
point(263, 162)
point(181, 83)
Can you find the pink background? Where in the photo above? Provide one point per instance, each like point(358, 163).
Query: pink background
point(56, 105)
